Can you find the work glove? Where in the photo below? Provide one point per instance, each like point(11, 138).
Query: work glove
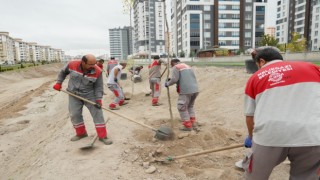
point(166, 84)
point(57, 86)
point(248, 142)
point(98, 103)
point(116, 80)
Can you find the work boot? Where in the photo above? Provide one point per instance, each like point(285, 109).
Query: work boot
point(187, 126)
point(156, 104)
point(77, 138)
point(105, 140)
point(114, 108)
point(124, 103)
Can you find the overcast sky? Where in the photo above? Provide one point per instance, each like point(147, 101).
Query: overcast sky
point(76, 26)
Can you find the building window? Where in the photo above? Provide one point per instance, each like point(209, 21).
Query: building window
point(194, 16)
point(207, 25)
point(247, 43)
point(222, 43)
point(222, 33)
point(248, 17)
point(248, 26)
point(206, 8)
point(248, 8)
point(207, 34)
point(316, 33)
point(222, 7)
point(235, 34)
point(235, 7)
point(260, 8)
point(247, 34)
point(194, 25)
point(207, 17)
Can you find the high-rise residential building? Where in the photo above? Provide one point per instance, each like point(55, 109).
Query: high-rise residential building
point(121, 44)
point(315, 26)
point(252, 22)
point(296, 16)
point(231, 24)
point(6, 48)
point(149, 26)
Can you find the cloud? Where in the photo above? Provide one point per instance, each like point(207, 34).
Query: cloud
point(65, 24)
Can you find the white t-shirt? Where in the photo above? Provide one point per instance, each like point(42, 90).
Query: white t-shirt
point(111, 74)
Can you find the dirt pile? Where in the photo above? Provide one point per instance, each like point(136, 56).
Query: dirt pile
point(35, 131)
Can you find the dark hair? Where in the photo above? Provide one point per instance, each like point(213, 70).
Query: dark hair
point(112, 58)
point(268, 54)
point(156, 57)
point(175, 60)
point(101, 60)
point(84, 59)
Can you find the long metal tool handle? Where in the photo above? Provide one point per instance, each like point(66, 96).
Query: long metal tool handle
point(88, 101)
point(208, 151)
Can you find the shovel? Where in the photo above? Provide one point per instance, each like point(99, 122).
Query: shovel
point(172, 158)
point(163, 133)
point(90, 145)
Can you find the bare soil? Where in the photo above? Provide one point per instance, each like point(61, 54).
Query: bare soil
point(35, 131)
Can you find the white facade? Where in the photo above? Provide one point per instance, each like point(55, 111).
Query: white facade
point(149, 25)
point(6, 48)
point(227, 32)
point(315, 28)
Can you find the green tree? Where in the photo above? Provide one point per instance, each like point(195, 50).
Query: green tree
point(297, 44)
point(182, 54)
point(268, 40)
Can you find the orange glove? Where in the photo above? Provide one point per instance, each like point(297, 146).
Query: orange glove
point(57, 86)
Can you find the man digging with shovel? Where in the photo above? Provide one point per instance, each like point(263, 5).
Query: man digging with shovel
point(187, 87)
point(85, 81)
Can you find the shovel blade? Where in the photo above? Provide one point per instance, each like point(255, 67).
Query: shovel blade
point(164, 133)
point(89, 146)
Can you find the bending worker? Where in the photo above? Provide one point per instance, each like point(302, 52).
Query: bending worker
point(155, 78)
point(283, 117)
point(114, 86)
point(111, 64)
point(85, 81)
point(187, 87)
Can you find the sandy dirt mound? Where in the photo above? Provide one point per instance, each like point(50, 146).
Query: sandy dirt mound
point(35, 131)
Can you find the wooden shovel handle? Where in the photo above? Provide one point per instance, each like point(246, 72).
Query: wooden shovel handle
point(208, 151)
point(88, 101)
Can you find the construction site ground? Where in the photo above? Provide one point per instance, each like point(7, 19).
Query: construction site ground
point(35, 131)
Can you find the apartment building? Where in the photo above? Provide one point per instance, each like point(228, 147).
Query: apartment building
point(6, 48)
point(121, 42)
point(149, 26)
point(315, 28)
point(301, 16)
point(14, 50)
point(202, 24)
